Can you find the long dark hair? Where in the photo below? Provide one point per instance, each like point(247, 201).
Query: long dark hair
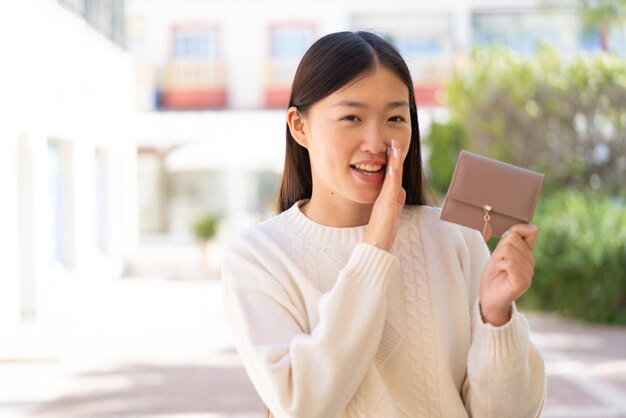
point(329, 64)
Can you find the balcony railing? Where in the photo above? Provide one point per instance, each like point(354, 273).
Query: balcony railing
point(279, 75)
point(193, 83)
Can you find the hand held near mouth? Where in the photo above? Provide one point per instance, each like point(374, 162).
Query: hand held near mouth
point(384, 219)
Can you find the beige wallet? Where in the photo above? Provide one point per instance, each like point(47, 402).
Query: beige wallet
point(489, 195)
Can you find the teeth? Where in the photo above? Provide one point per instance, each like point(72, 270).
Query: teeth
point(369, 167)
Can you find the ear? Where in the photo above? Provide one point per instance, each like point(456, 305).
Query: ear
point(296, 123)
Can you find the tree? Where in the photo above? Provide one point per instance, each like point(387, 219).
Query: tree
point(565, 119)
point(602, 14)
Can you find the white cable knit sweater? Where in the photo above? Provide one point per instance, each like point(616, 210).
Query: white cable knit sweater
point(327, 326)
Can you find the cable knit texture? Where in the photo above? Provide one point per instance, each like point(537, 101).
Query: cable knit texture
point(328, 326)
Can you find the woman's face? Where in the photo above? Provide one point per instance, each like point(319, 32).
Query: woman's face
point(347, 134)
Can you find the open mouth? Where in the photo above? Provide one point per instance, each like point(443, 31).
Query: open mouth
point(369, 169)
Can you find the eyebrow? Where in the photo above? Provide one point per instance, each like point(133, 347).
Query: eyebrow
point(352, 103)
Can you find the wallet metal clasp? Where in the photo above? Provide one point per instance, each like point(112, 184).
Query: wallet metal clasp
point(487, 230)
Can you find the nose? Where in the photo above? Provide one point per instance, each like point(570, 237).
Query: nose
point(374, 140)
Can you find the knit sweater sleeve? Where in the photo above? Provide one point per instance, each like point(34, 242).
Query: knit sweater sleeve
point(296, 371)
point(505, 372)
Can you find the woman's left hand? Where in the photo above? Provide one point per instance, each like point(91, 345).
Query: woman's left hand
point(508, 273)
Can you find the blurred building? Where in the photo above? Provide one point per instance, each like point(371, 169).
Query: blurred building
point(67, 153)
point(203, 62)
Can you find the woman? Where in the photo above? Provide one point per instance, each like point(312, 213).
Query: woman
point(356, 300)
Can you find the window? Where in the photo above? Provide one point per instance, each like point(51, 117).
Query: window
point(524, 31)
point(424, 39)
point(290, 41)
point(195, 43)
point(106, 16)
point(193, 77)
point(418, 45)
point(101, 195)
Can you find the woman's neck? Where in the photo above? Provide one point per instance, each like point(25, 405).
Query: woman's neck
point(337, 212)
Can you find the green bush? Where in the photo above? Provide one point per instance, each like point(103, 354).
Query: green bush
point(444, 141)
point(580, 257)
point(205, 228)
point(562, 117)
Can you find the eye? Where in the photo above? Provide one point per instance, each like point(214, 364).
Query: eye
point(397, 119)
point(350, 118)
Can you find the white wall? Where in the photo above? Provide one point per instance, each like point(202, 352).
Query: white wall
point(60, 80)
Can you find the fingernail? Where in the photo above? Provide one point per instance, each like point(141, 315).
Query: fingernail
point(390, 171)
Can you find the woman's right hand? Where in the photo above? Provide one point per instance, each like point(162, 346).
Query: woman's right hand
point(384, 220)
